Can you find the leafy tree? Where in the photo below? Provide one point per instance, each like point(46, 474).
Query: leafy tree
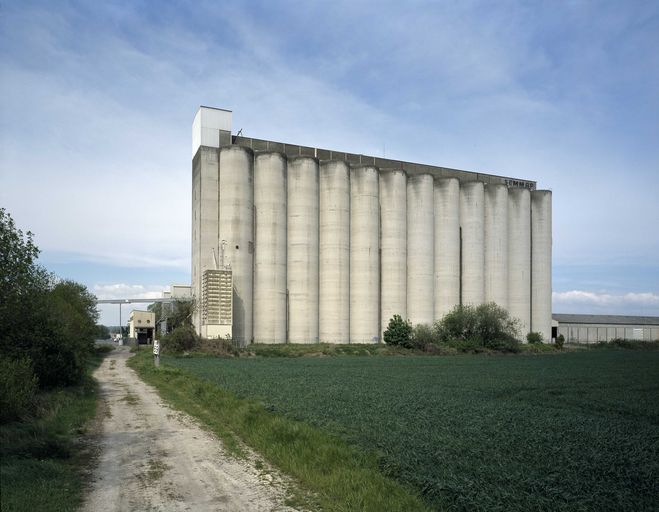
point(102, 332)
point(399, 332)
point(46, 322)
point(178, 313)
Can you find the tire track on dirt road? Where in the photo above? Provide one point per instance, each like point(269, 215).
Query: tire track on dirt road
point(154, 458)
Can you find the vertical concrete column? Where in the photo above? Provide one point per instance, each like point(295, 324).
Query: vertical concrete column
point(364, 255)
point(519, 257)
point(447, 245)
point(236, 226)
point(496, 244)
point(270, 195)
point(472, 223)
point(334, 257)
point(421, 249)
point(204, 220)
point(541, 246)
point(393, 244)
point(303, 239)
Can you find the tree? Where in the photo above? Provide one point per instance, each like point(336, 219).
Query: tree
point(102, 332)
point(399, 332)
point(177, 313)
point(45, 321)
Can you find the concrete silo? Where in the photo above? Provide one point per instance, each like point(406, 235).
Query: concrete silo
point(393, 243)
point(302, 249)
point(472, 225)
point(334, 272)
point(236, 226)
point(364, 255)
point(541, 246)
point(270, 247)
point(496, 244)
point(519, 257)
point(327, 246)
point(421, 249)
point(447, 245)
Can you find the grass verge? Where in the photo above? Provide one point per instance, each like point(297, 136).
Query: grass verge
point(41, 457)
point(339, 476)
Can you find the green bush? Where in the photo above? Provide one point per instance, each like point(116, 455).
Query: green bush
point(560, 341)
point(18, 388)
point(487, 325)
point(423, 336)
point(534, 337)
point(399, 332)
point(181, 339)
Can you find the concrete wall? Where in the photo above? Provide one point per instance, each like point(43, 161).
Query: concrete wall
point(303, 240)
point(472, 225)
point(270, 200)
point(541, 247)
point(447, 245)
point(519, 258)
point(334, 253)
point(364, 255)
point(236, 226)
point(496, 245)
point(393, 243)
point(420, 249)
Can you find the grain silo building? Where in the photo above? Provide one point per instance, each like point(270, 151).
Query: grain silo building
point(326, 246)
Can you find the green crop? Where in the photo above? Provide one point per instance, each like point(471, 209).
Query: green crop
point(577, 431)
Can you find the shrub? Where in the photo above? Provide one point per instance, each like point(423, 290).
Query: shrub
point(534, 337)
point(399, 332)
point(560, 341)
point(423, 336)
point(181, 339)
point(18, 387)
point(486, 325)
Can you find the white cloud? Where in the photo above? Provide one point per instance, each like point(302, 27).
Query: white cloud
point(128, 291)
point(595, 299)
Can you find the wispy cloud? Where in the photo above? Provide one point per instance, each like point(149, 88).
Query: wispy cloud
point(97, 101)
point(128, 291)
point(577, 301)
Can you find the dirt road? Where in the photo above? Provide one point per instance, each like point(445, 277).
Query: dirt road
point(154, 458)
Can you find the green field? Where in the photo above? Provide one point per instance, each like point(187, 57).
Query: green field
point(577, 431)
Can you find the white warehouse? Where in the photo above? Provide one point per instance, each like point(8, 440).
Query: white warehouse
point(326, 246)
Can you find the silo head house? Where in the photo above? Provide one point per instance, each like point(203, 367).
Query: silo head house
point(326, 246)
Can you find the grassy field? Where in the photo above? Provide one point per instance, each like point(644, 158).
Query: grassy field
point(577, 431)
point(41, 458)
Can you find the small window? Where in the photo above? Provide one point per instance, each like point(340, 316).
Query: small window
point(148, 321)
point(139, 321)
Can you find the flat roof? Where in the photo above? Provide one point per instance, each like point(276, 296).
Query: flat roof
point(410, 168)
point(605, 319)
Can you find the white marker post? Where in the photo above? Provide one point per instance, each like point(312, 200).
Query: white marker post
point(156, 352)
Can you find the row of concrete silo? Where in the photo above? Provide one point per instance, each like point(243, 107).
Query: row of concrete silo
point(325, 251)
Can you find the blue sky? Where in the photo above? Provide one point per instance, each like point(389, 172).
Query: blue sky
point(97, 101)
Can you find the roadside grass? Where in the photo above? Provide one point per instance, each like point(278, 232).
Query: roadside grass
point(538, 432)
point(337, 476)
point(41, 457)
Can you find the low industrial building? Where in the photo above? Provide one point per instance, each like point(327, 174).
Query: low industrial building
point(597, 328)
point(142, 326)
